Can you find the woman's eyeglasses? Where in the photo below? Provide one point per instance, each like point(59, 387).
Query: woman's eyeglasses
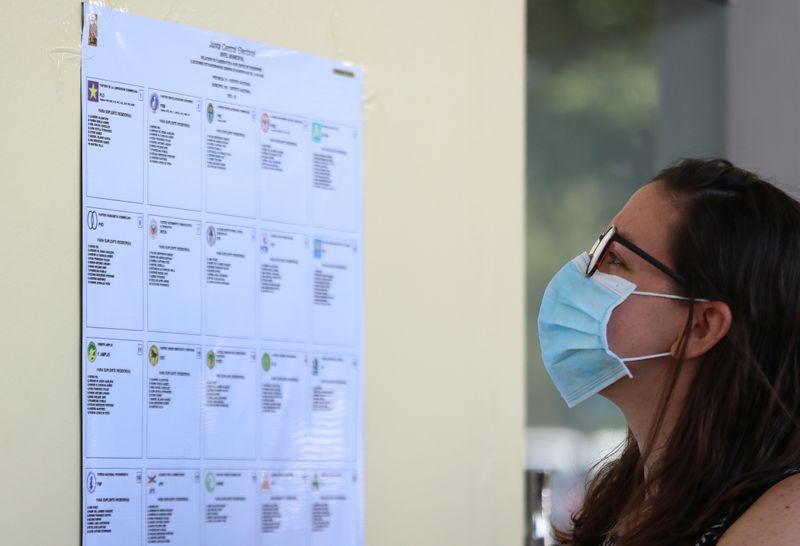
point(600, 248)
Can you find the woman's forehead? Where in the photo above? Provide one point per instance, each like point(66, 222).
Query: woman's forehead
point(647, 220)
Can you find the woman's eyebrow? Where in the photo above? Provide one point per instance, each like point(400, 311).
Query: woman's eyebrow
point(624, 235)
point(620, 248)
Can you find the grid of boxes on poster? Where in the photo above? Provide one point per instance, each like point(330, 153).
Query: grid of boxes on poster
point(221, 321)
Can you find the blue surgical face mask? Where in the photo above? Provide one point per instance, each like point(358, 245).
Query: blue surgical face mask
point(573, 326)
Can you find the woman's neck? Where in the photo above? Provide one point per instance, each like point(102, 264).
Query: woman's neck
point(640, 399)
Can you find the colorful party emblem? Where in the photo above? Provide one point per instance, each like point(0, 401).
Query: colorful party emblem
point(154, 101)
point(153, 228)
point(210, 112)
point(316, 132)
point(211, 360)
point(91, 351)
point(265, 122)
point(266, 362)
point(94, 91)
point(211, 482)
point(152, 355)
point(211, 235)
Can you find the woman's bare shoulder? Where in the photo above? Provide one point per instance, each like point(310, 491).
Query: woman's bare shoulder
point(773, 519)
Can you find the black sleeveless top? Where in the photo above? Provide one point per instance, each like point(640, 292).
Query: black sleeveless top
point(713, 534)
point(718, 528)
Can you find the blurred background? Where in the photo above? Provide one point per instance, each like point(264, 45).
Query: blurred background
point(616, 90)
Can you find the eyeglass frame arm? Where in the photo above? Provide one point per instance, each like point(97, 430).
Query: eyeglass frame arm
point(648, 258)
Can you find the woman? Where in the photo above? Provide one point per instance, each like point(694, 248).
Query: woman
point(686, 315)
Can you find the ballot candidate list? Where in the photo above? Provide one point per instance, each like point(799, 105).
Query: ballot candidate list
point(222, 337)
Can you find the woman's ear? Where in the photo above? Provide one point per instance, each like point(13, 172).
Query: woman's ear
point(711, 321)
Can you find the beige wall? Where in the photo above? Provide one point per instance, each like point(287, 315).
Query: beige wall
point(444, 264)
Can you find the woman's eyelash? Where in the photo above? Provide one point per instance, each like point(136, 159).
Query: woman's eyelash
point(614, 259)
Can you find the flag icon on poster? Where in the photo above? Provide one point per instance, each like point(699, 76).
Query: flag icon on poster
point(93, 90)
point(92, 41)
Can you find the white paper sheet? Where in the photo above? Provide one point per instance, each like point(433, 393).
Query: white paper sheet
point(222, 320)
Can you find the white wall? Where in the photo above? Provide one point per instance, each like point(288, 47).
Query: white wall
point(444, 256)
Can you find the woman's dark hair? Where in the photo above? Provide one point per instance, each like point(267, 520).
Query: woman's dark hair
point(738, 241)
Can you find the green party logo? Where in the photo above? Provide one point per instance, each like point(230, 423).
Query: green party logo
point(211, 360)
point(316, 132)
point(266, 362)
point(211, 482)
point(91, 351)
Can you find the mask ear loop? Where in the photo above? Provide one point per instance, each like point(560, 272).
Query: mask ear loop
point(646, 357)
point(657, 295)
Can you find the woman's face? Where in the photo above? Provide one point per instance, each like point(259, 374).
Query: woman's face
point(643, 325)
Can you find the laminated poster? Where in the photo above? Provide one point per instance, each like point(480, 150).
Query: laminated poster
point(222, 274)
